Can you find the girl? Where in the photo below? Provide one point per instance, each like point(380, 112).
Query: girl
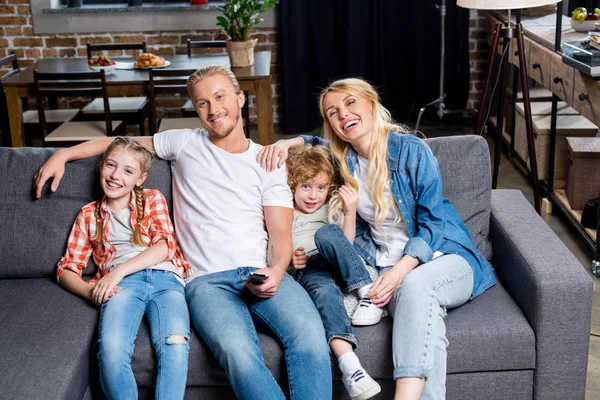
point(140, 270)
point(406, 228)
point(319, 247)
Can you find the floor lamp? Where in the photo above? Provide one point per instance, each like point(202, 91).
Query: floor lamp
point(495, 76)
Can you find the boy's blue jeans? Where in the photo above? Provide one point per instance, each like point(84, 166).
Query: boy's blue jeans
point(160, 296)
point(227, 315)
point(337, 268)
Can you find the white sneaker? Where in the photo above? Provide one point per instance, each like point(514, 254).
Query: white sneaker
point(366, 313)
point(360, 385)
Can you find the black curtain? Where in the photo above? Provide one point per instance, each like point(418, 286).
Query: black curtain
point(393, 44)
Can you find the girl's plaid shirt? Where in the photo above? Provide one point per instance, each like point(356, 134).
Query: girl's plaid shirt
point(156, 226)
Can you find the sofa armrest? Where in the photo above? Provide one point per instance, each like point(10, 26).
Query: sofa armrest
point(551, 288)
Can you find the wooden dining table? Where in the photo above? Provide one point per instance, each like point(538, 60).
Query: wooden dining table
point(134, 82)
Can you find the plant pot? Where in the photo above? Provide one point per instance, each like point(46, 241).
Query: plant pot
point(74, 3)
point(241, 54)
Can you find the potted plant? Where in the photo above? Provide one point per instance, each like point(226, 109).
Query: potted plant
point(238, 19)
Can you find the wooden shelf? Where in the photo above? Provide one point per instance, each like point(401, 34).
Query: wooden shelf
point(561, 195)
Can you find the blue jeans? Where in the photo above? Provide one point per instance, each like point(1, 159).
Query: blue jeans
point(338, 267)
point(226, 315)
point(160, 296)
point(419, 334)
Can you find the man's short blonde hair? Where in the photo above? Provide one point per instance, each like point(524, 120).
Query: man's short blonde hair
point(211, 71)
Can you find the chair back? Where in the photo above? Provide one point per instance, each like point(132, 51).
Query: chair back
point(9, 59)
point(169, 81)
point(205, 46)
point(115, 46)
point(70, 84)
point(4, 122)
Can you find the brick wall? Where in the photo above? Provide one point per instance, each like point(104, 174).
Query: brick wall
point(478, 57)
point(16, 34)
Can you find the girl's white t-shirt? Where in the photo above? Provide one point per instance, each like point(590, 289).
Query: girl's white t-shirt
point(219, 200)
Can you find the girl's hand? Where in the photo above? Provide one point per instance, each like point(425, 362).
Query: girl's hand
point(273, 155)
point(299, 258)
point(350, 198)
point(53, 168)
point(105, 287)
point(384, 287)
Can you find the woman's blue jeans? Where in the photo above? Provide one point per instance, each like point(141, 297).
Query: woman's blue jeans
point(337, 268)
point(160, 296)
point(419, 333)
point(227, 315)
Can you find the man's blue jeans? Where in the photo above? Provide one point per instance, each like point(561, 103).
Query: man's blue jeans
point(160, 296)
point(227, 315)
point(337, 268)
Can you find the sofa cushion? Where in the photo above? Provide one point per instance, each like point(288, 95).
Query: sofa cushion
point(35, 232)
point(465, 167)
point(489, 333)
point(47, 339)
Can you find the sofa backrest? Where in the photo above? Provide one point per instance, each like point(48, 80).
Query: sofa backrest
point(464, 163)
point(35, 232)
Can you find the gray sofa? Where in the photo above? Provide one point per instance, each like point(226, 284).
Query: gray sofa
point(525, 338)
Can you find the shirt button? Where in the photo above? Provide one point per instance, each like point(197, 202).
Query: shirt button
point(400, 201)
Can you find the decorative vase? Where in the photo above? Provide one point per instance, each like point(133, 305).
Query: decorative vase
point(241, 54)
point(198, 1)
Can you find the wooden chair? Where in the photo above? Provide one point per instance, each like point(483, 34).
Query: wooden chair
point(76, 84)
point(31, 121)
point(132, 110)
point(175, 81)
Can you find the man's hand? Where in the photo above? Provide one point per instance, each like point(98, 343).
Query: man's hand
point(53, 168)
point(104, 289)
point(299, 258)
point(350, 198)
point(267, 289)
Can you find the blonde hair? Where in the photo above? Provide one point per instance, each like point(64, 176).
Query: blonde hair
point(144, 156)
point(378, 171)
point(212, 70)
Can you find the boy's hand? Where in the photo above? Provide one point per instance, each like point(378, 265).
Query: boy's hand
point(299, 258)
point(350, 198)
point(53, 168)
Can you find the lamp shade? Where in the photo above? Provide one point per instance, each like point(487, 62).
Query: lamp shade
point(503, 4)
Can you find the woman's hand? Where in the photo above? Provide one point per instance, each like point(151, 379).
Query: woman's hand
point(350, 198)
point(299, 258)
point(53, 168)
point(107, 287)
point(384, 287)
point(273, 155)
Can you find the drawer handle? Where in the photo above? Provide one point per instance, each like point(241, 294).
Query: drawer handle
point(516, 53)
point(557, 79)
point(583, 96)
point(536, 66)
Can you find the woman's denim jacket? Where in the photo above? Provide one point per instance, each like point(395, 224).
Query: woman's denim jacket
point(432, 222)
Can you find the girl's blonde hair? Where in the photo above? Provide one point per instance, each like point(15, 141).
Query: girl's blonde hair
point(378, 171)
point(144, 156)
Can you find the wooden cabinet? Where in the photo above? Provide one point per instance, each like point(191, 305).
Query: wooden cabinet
point(540, 64)
point(561, 79)
point(586, 96)
point(514, 55)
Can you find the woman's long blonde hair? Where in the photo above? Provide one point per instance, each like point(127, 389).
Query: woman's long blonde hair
point(145, 157)
point(378, 171)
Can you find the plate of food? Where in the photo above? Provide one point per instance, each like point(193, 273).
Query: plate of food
point(149, 60)
point(101, 62)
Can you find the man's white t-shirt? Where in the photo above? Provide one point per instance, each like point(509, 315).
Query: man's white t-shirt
point(219, 200)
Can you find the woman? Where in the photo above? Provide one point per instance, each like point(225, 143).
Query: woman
point(406, 228)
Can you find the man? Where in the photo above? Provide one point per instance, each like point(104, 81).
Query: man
point(233, 218)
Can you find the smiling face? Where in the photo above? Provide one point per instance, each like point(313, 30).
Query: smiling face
point(120, 173)
point(218, 106)
point(350, 117)
point(311, 194)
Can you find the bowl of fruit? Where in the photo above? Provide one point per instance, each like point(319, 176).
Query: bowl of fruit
point(102, 63)
point(582, 21)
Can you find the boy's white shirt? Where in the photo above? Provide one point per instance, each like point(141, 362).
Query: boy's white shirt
point(219, 200)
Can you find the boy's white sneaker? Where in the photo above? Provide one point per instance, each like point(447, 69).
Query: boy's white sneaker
point(366, 313)
point(360, 385)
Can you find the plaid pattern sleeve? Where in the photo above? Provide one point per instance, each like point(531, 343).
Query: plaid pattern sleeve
point(79, 246)
point(161, 228)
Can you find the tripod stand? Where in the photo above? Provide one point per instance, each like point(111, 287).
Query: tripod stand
point(440, 102)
